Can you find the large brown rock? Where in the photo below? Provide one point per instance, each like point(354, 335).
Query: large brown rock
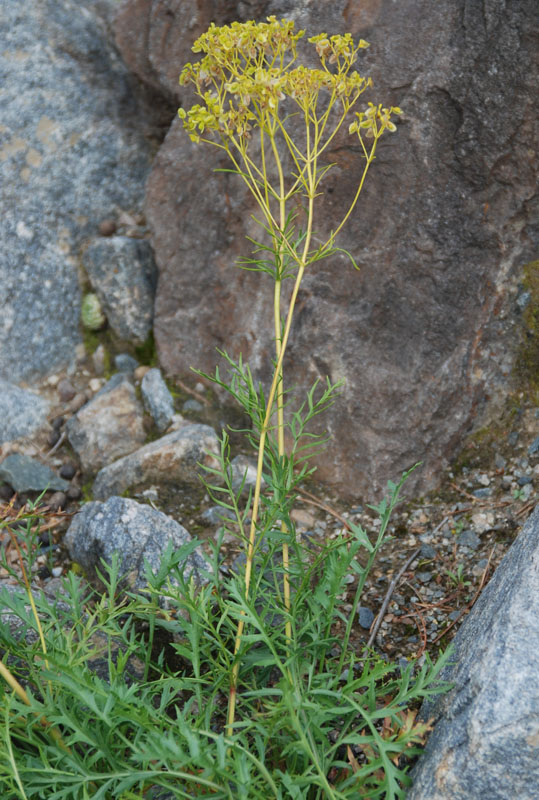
point(424, 333)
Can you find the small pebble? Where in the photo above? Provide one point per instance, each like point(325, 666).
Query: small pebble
point(57, 423)
point(95, 384)
point(469, 539)
point(140, 372)
point(57, 501)
point(427, 551)
point(513, 438)
point(98, 359)
point(107, 227)
point(67, 470)
point(481, 493)
point(192, 405)
point(66, 391)
point(125, 363)
point(54, 435)
point(424, 577)
point(77, 403)
point(533, 449)
point(57, 571)
point(366, 617)
point(524, 480)
point(74, 493)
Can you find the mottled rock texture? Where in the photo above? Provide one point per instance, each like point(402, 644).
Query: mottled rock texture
point(122, 272)
point(22, 413)
point(135, 533)
point(486, 739)
point(72, 151)
point(109, 426)
point(171, 460)
point(424, 334)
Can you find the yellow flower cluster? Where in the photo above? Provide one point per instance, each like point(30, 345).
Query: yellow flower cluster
point(248, 69)
point(374, 121)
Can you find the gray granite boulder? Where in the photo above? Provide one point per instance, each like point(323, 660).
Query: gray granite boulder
point(485, 742)
point(109, 426)
point(71, 153)
point(172, 459)
point(25, 474)
point(157, 399)
point(22, 413)
point(123, 274)
point(136, 532)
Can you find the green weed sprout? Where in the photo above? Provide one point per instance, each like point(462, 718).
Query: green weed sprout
point(266, 112)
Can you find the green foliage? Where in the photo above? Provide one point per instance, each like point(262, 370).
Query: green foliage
point(306, 727)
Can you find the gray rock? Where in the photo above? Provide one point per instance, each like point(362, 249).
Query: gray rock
point(243, 471)
point(172, 459)
point(109, 426)
point(136, 532)
point(125, 363)
point(71, 150)
point(25, 474)
point(22, 413)
point(157, 399)
point(469, 538)
point(486, 737)
point(365, 617)
point(533, 449)
point(123, 274)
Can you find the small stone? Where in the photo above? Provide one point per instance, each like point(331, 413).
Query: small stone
point(424, 577)
point(66, 390)
point(57, 501)
point(192, 405)
point(157, 399)
point(67, 470)
point(366, 617)
point(77, 403)
point(125, 363)
point(74, 493)
point(483, 521)
point(57, 571)
point(427, 551)
point(140, 372)
point(54, 437)
point(107, 227)
point(25, 474)
point(302, 518)
point(95, 384)
point(533, 449)
point(499, 461)
point(216, 514)
point(6, 492)
point(513, 438)
point(483, 479)
point(99, 359)
point(53, 380)
point(526, 492)
point(57, 423)
point(482, 493)
point(469, 538)
point(523, 480)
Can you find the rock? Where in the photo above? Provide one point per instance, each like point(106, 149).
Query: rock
point(215, 515)
point(109, 426)
point(107, 227)
point(125, 363)
point(122, 272)
point(22, 413)
point(172, 459)
point(66, 390)
point(68, 470)
point(243, 471)
point(437, 240)
point(136, 532)
point(533, 449)
point(485, 740)
point(469, 538)
point(25, 474)
point(157, 399)
point(365, 617)
point(71, 150)
point(99, 359)
point(57, 501)
point(77, 403)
